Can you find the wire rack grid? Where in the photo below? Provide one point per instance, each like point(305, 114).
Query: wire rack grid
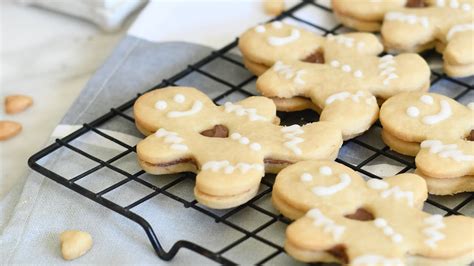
point(366, 152)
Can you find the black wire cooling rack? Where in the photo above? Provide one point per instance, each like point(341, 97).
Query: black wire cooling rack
point(375, 152)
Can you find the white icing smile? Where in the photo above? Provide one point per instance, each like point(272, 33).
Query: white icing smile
point(196, 108)
point(444, 113)
point(280, 41)
point(344, 181)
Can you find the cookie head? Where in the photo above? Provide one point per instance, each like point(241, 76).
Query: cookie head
point(165, 106)
point(265, 44)
point(417, 116)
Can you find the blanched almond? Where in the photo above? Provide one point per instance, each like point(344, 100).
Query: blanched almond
point(9, 129)
point(17, 103)
point(273, 7)
point(75, 243)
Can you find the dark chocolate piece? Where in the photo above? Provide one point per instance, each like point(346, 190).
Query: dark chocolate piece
point(316, 57)
point(361, 214)
point(339, 251)
point(218, 131)
point(415, 3)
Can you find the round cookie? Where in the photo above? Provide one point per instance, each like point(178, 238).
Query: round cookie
point(229, 147)
point(343, 219)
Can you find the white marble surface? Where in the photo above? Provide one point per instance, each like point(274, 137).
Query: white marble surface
point(49, 57)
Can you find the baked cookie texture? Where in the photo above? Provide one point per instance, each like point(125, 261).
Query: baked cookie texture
point(229, 147)
point(415, 26)
point(438, 131)
point(339, 76)
point(342, 218)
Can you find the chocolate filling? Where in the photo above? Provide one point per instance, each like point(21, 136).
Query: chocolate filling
point(470, 137)
point(178, 161)
point(316, 57)
point(339, 251)
point(415, 3)
point(273, 161)
point(218, 131)
point(361, 214)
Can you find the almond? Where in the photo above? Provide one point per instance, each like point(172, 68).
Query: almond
point(9, 129)
point(74, 244)
point(17, 103)
point(273, 7)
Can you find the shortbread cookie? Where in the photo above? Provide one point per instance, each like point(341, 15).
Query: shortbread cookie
point(344, 219)
point(344, 91)
point(447, 166)
point(448, 26)
point(443, 127)
point(367, 15)
point(410, 118)
point(229, 147)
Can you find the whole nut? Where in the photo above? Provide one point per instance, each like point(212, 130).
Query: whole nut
point(9, 129)
point(17, 103)
point(74, 244)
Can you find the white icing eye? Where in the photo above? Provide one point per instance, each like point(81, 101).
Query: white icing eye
point(335, 63)
point(358, 74)
point(235, 136)
point(277, 24)
point(470, 106)
point(346, 68)
point(325, 170)
point(426, 99)
point(306, 177)
point(260, 29)
point(161, 105)
point(244, 140)
point(412, 111)
point(179, 98)
point(255, 146)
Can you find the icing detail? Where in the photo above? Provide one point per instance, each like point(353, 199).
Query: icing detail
point(344, 181)
point(443, 114)
point(470, 105)
point(241, 111)
point(325, 170)
point(289, 73)
point(245, 141)
point(374, 260)
point(426, 99)
point(171, 138)
point(277, 24)
point(412, 111)
point(346, 41)
point(260, 29)
point(196, 108)
point(433, 224)
point(306, 177)
point(279, 41)
point(408, 18)
point(398, 194)
point(346, 68)
point(454, 4)
point(387, 69)
point(329, 226)
point(179, 98)
point(355, 97)
point(388, 230)
point(377, 184)
point(459, 28)
point(446, 150)
point(216, 166)
point(291, 133)
point(161, 105)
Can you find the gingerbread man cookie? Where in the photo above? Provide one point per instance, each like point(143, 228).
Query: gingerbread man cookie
point(443, 127)
point(342, 218)
point(229, 147)
point(367, 15)
point(264, 45)
point(447, 25)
